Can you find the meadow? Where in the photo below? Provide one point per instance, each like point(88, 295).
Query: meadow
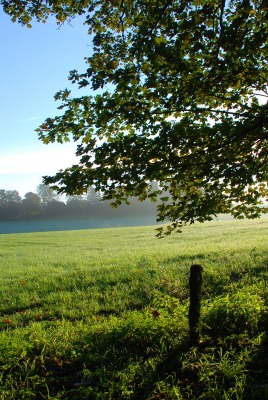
point(103, 314)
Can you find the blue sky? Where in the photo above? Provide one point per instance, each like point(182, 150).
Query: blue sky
point(35, 64)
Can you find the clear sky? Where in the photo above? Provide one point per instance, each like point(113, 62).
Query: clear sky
point(35, 64)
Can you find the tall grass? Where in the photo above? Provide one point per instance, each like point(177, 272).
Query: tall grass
point(102, 314)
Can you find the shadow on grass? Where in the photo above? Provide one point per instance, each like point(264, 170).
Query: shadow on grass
point(135, 359)
point(126, 363)
point(256, 387)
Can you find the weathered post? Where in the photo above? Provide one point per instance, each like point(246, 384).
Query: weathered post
point(195, 283)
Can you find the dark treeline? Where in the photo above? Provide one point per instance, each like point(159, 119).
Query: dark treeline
point(45, 203)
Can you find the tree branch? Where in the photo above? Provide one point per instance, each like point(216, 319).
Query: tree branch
point(221, 29)
point(123, 13)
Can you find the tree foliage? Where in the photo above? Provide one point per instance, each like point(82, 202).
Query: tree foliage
point(25, 11)
point(177, 94)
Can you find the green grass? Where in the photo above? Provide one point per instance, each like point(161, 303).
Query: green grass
point(102, 314)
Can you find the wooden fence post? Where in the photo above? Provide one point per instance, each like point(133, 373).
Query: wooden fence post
point(195, 283)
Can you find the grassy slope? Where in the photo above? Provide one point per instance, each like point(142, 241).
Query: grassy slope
point(102, 314)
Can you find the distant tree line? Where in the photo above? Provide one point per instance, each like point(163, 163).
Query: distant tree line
point(46, 203)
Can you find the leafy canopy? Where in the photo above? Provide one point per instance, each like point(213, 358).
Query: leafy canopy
point(177, 95)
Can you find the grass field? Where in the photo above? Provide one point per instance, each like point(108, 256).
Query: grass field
point(103, 314)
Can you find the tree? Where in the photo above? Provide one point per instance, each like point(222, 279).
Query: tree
point(31, 204)
point(77, 205)
point(92, 196)
point(46, 194)
point(10, 204)
point(55, 209)
point(177, 95)
point(9, 196)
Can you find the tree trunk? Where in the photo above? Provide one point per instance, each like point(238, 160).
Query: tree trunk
point(195, 282)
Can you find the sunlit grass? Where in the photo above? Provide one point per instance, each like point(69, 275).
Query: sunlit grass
point(102, 314)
